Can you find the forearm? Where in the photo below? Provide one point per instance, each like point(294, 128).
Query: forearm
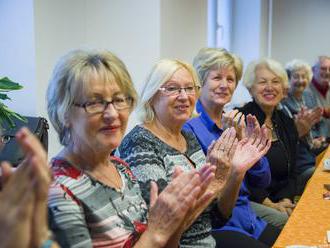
point(228, 196)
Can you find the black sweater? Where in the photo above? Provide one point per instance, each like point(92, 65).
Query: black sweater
point(283, 151)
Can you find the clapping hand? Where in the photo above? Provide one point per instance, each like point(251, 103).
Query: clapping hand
point(23, 209)
point(220, 154)
point(169, 210)
point(250, 149)
point(234, 119)
point(305, 119)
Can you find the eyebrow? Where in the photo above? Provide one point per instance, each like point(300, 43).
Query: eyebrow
point(101, 96)
point(175, 82)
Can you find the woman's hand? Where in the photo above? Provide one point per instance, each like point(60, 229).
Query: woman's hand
point(305, 119)
point(24, 196)
point(204, 198)
point(220, 154)
point(37, 159)
point(250, 149)
point(285, 205)
point(16, 208)
point(234, 119)
point(170, 207)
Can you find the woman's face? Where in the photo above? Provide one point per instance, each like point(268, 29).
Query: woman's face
point(175, 109)
point(99, 131)
point(267, 89)
point(298, 81)
point(219, 86)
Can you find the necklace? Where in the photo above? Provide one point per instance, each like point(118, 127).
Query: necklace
point(270, 127)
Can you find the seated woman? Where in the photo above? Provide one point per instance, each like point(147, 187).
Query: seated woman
point(159, 143)
point(95, 200)
point(219, 72)
point(23, 208)
point(300, 74)
point(266, 80)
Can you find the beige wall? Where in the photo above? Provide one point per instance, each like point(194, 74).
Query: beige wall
point(139, 32)
point(183, 28)
point(300, 29)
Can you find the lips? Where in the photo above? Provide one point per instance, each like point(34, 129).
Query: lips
point(182, 107)
point(110, 129)
point(269, 96)
point(222, 94)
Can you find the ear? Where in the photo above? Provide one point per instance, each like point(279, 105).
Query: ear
point(67, 121)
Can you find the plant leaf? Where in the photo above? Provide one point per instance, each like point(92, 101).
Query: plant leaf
point(4, 97)
point(6, 85)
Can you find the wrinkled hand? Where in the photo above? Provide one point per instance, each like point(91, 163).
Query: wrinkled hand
point(204, 198)
point(16, 206)
point(220, 154)
point(168, 210)
point(249, 150)
point(24, 196)
point(306, 119)
point(284, 206)
point(37, 158)
point(234, 119)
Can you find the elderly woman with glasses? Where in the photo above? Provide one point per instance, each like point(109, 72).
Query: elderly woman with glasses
point(219, 72)
point(158, 144)
point(95, 200)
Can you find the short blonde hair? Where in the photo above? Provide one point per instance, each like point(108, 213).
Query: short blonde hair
point(215, 58)
point(250, 74)
point(295, 65)
point(72, 76)
point(160, 74)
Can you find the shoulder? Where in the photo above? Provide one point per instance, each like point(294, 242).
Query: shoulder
point(137, 139)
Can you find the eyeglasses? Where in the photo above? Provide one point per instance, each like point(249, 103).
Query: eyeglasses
point(97, 107)
point(174, 90)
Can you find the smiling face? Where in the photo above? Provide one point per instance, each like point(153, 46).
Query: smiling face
point(298, 81)
point(175, 110)
point(267, 89)
point(102, 131)
point(219, 87)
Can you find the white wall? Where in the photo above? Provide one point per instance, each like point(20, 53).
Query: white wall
point(17, 53)
point(300, 29)
point(139, 32)
point(183, 28)
point(247, 38)
point(130, 29)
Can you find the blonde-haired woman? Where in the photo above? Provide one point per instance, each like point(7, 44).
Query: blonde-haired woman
point(159, 143)
point(95, 200)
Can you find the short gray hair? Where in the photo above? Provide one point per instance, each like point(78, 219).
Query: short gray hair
point(295, 65)
point(71, 77)
point(215, 58)
point(160, 74)
point(274, 66)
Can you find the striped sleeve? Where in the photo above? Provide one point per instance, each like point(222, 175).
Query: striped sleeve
point(67, 219)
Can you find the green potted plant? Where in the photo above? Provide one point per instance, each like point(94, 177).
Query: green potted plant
point(7, 115)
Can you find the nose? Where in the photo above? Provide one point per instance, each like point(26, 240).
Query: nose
point(110, 112)
point(223, 84)
point(183, 93)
